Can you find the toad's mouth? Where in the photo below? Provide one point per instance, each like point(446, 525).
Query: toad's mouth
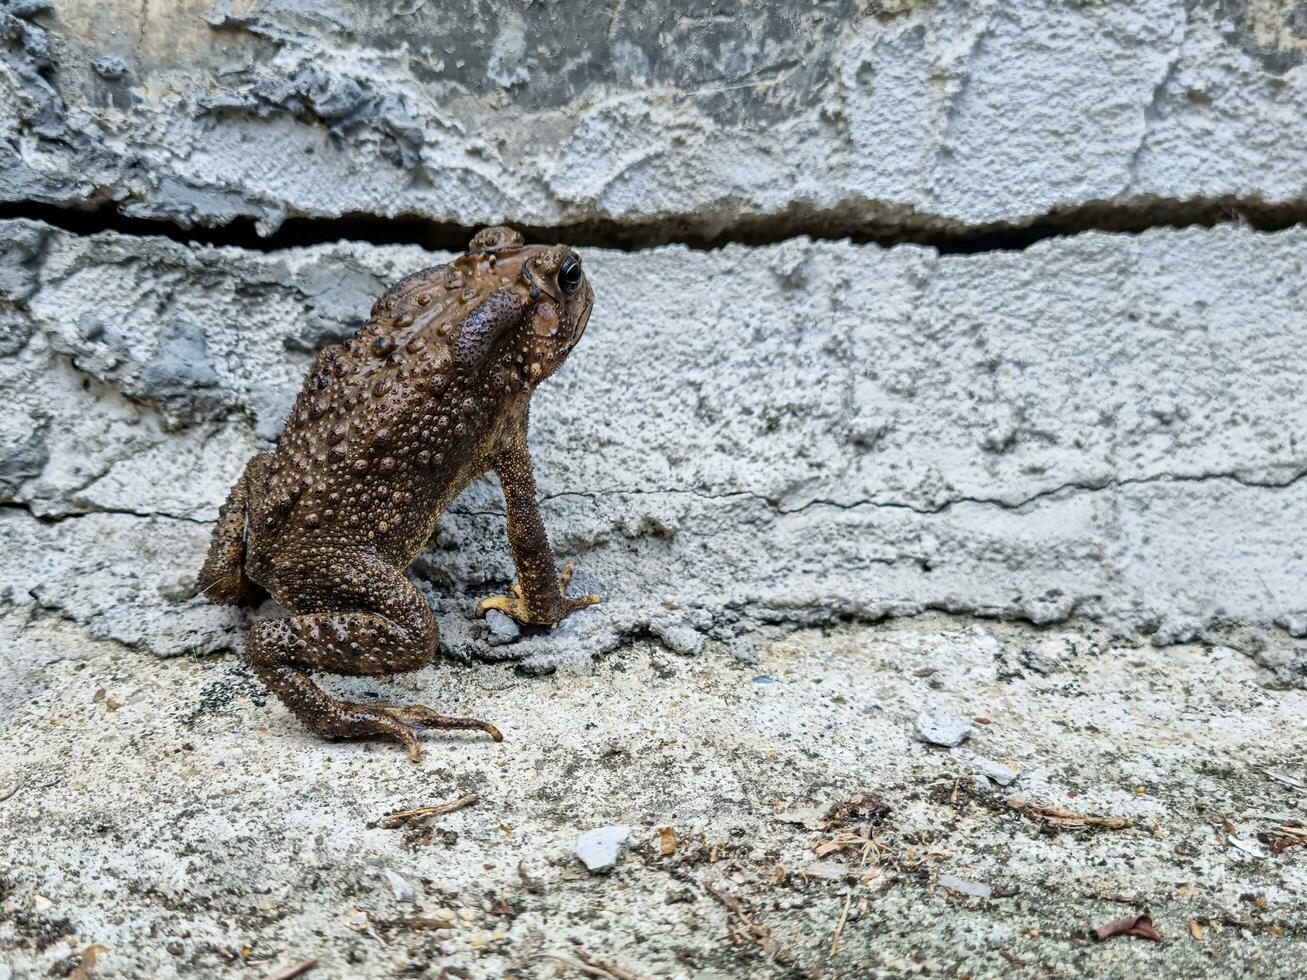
point(581, 320)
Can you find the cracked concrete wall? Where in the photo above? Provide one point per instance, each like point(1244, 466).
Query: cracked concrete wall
point(803, 432)
point(1102, 425)
point(895, 112)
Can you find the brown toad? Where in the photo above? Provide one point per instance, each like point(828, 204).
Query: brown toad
point(389, 428)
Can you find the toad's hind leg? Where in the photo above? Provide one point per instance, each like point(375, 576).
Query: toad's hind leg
point(359, 616)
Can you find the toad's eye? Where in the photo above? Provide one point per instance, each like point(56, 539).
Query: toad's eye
point(569, 276)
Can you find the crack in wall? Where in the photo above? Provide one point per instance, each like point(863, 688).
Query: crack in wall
point(774, 505)
point(861, 222)
point(946, 505)
point(1070, 486)
point(782, 510)
point(51, 519)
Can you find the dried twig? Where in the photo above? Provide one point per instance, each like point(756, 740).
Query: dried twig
point(844, 839)
point(591, 966)
point(424, 922)
point(589, 971)
point(398, 817)
point(294, 970)
point(847, 840)
point(1057, 817)
point(839, 926)
point(608, 966)
point(531, 883)
point(918, 862)
point(732, 903)
point(756, 931)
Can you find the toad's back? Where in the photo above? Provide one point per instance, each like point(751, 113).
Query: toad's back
point(391, 425)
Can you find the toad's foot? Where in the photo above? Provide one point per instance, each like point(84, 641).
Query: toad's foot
point(390, 629)
point(538, 613)
point(403, 724)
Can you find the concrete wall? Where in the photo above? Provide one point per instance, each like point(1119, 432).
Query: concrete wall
point(647, 113)
point(1104, 424)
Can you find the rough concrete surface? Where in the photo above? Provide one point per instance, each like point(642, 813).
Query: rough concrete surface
point(647, 113)
point(842, 501)
point(159, 808)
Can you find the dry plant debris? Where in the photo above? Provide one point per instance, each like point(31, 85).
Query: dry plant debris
point(1131, 925)
point(852, 820)
point(860, 808)
point(839, 926)
point(529, 881)
point(294, 970)
point(666, 841)
point(757, 932)
point(87, 957)
point(398, 818)
point(590, 965)
point(1056, 816)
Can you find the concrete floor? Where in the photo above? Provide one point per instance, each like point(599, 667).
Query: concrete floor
point(170, 812)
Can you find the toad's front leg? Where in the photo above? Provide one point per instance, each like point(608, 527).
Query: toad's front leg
point(539, 595)
point(357, 616)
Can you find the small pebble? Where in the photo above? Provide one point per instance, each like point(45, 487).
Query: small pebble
point(963, 886)
point(940, 727)
point(745, 651)
point(681, 638)
point(503, 628)
point(599, 849)
point(111, 69)
point(404, 892)
point(999, 773)
point(827, 870)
